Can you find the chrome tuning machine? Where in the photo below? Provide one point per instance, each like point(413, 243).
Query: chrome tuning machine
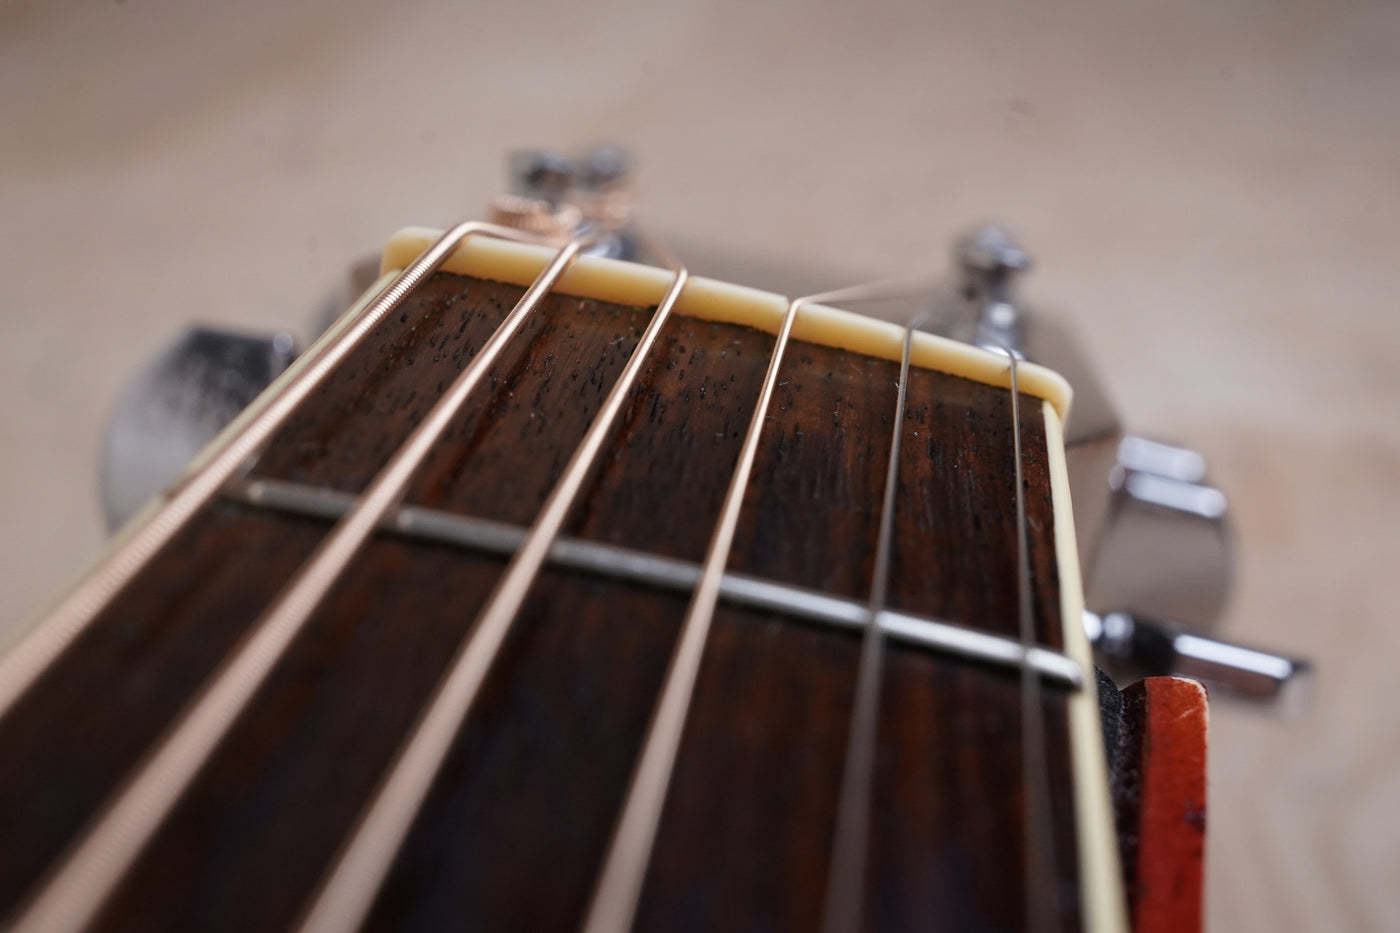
point(1154, 534)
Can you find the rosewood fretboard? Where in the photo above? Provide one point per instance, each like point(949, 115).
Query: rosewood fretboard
point(518, 821)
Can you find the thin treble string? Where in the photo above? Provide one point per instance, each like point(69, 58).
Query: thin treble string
point(846, 879)
point(348, 891)
point(619, 886)
point(1042, 898)
point(84, 879)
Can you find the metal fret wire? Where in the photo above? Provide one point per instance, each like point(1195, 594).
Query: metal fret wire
point(619, 885)
point(22, 666)
point(646, 569)
point(86, 876)
point(846, 881)
point(349, 889)
point(1042, 897)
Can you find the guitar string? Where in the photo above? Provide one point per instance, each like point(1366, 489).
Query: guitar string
point(26, 661)
point(619, 886)
point(87, 874)
point(347, 892)
point(1042, 897)
point(846, 879)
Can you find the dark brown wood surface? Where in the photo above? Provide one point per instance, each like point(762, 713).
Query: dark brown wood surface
point(89, 719)
point(515, 828)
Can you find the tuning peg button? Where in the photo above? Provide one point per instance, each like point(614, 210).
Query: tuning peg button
point(1164, 545)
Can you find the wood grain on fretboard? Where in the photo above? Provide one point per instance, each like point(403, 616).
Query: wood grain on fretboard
point(516, 826)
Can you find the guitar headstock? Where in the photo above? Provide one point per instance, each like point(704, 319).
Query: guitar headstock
point(1153, 532)
point(776, 486)
point(442, 410)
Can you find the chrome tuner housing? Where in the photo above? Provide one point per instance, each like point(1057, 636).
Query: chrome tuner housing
point(173, 408)
point(1164, 545)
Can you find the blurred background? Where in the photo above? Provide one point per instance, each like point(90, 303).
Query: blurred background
point(1209, 188)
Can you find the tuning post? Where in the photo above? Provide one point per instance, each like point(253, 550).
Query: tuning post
point(556, 224)
point(990, 263)
point(558, 196)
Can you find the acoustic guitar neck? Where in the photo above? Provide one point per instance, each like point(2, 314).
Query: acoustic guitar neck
point(556, 593)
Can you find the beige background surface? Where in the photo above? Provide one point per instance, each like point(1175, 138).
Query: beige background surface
point(1210, 189)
